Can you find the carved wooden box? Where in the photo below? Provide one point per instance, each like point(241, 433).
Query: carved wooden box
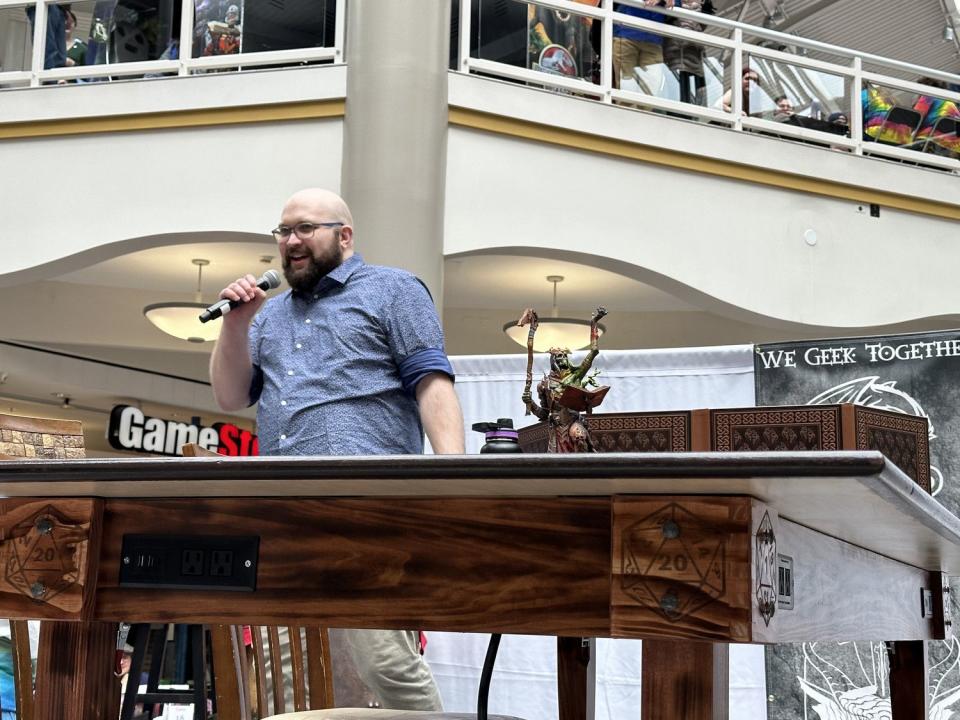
point(624, 432)
point(902, 438)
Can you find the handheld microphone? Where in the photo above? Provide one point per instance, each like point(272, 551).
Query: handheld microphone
point(269, 280)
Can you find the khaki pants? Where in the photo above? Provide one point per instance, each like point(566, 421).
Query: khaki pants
point(630, 54)
point(389, 664)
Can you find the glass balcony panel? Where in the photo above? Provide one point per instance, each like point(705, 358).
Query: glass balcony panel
point(228, 27)
point(654, 64)
point(639, 59)
point(798, 96)
point(121, 31)
point(924, 121)
point(531, 37)
point(110, 32)
point(16, 42)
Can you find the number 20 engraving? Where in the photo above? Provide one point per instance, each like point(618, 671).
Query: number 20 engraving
point(673, 562)
point(43, 555)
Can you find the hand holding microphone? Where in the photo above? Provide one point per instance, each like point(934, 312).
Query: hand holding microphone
point(244, 291)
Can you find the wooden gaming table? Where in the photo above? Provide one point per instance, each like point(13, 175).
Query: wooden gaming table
point(731, 547)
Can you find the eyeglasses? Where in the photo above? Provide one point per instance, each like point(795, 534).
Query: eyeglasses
point(304, 230)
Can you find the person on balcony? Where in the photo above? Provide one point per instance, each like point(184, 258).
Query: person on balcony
point(748, 77)
point(76, 48)
point(784, 108)
point(634, 48)
point(685, 59)
point(55, 48)
point(349, 361)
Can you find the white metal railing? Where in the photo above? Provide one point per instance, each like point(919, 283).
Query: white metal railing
point(731, 43)
point(186, 64)
point(728, 39)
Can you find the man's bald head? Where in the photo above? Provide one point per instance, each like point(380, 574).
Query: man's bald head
point(320, 203)
point(319, 236)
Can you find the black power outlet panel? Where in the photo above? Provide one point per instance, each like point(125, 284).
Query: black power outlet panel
point(190, 562)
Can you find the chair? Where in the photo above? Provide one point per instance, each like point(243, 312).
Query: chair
point(312, 673)
point(898, 127)
point(943, 138)
point(140, 638)
point(884, 120)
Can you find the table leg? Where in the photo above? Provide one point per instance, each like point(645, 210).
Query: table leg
point(576, 677)
point(75, 679)
point(909, 698)
point(684, 680)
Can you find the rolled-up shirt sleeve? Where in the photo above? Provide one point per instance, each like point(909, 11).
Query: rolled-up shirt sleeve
point(415, 367)
point(414, 333)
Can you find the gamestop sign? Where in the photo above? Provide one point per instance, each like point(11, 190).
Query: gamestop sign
point(130, 429)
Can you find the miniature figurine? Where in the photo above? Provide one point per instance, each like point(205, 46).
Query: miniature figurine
point(565, 391)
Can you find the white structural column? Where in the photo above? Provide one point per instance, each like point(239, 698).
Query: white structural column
point(395, 132)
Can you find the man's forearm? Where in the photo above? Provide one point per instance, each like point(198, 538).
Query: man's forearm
point(230, 368)
point(440, 414)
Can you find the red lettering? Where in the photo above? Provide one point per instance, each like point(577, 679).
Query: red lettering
point(236, 442)
point(228, 434)
point(245, 437)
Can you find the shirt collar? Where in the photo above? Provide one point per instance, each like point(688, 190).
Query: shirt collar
point(344, 270)
point(339, 275)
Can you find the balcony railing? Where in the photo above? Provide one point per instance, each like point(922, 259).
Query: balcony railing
point(123, 39)
point(828, 95)
point(832, 96)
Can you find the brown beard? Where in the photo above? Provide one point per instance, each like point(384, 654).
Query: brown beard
point(318, 267)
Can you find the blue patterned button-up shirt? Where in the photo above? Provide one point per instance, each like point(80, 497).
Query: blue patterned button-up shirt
point(335, 370)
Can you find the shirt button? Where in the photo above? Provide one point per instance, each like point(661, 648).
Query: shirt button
point(283, 402)
point(299, 346)
point(283, 437)
point(307, 321)
point(289, 372)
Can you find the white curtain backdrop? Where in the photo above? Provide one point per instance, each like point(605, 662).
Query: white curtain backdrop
point(524, 680)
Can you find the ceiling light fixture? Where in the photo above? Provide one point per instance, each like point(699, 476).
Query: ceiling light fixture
point(554, 331)
point(949, 34)
point(181, 319)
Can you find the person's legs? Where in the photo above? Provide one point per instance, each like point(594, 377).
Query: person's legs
point(389, 662)
point(650, 63)
point(625, 57)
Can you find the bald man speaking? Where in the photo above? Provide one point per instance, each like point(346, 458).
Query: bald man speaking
point(349, 361)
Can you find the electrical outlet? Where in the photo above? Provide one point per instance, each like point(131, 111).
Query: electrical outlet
point(221, 563)
point(192, 562)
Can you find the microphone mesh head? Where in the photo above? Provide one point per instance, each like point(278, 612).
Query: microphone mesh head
point(272, 277)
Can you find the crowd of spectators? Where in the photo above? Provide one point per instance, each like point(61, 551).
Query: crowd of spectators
point(558, 42)
point(119, 32)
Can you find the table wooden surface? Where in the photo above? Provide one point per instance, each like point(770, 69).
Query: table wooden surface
point(689, 546)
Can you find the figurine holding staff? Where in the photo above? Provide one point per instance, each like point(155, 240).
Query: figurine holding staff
point(565, 391)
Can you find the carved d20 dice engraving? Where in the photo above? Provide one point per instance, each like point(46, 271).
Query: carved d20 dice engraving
point(672, 562)
point(43, 556)
point(766, 569)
